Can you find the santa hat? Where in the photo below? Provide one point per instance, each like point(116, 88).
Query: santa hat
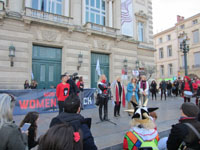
point(186, 77)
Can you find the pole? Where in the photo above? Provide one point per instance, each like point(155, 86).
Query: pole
point(185, 56)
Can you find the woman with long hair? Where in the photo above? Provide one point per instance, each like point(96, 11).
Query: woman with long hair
point(132, 93)
point(103, 96)
point(32, 118)
point(26, 85)
point(11, 136)
point(61, 137)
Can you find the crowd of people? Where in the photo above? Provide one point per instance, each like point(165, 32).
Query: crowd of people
point(71, 131)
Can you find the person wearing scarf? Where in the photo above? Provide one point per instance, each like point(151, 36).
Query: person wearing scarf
point(144, 91)
point(186, 86)
point(118, 96)
point(103, 96)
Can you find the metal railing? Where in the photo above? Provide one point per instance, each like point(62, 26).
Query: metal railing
point(47, 16)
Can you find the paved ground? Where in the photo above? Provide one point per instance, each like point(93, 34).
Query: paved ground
point(107, 134)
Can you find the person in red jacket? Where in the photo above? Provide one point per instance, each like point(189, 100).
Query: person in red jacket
point(62, 91)
point(187, 89)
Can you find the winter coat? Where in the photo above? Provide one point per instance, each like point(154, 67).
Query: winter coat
point(163, 85)
point(78, 122)
point(169, 86)
point(146, 90)
point(153, 87)
point(129, 92)
point(181, 132)
point(121, 96)
point(183, 86)
point(12, 139)
point(31, 138)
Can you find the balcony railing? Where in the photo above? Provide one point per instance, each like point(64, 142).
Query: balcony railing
point(29, 12)
point(101, 28)
point(196, 66)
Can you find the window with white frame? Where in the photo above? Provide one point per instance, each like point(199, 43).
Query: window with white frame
point(95, 11)
point(197, 59)
point(51, 6)
point(169, 51)
point(141, 31)
point(182, 26)
point(162, 70)
point(194, 21)
point(160, 40)
point(170, 69)
point(161, 54)
point(195, 36)
point(168, 37)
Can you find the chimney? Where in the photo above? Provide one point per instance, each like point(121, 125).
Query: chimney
point(179, 18)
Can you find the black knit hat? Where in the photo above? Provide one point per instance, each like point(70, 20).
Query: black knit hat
point(190, 109)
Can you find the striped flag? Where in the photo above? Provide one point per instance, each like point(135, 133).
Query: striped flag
point(125, 14)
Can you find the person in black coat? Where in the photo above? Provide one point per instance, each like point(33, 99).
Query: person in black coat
point(153, 88)
point(72, 115)
point(180, 132)
point(169, 88)
point(163, 87)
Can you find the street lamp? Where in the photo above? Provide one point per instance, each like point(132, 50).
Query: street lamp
point(11, 55)
point(184, 46)
point(137, 64)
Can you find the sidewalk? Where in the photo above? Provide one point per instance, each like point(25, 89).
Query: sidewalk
point(107, 134)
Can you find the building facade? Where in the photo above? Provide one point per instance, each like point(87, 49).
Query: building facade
point(51, 37)
point(168, 56)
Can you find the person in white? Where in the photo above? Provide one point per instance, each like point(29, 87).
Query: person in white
point(144, 91)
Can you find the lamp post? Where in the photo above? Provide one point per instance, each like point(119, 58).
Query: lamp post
point(184, 46)
point(11, 55)
point(80, 61)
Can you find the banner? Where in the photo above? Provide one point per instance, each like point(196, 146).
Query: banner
point(43, 101)
point(127, 17)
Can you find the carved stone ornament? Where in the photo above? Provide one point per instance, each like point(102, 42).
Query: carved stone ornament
point(141, 14)
point(102, 45)
point(49, 35)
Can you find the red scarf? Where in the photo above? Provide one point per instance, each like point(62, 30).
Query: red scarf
point(123, 96)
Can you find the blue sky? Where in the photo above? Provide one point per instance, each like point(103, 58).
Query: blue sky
point(165, 12)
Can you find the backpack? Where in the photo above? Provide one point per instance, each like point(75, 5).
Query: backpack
point(183, 144)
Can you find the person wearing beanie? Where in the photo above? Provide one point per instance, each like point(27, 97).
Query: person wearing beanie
point(187, 89)
point(180, 132)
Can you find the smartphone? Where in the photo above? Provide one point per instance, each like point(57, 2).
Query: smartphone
point(25, 127)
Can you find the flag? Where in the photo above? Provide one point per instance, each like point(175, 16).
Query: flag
point(98, 70)
point(32, 76)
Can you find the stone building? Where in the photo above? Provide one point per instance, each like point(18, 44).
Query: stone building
point(168, 56)
point(51, 37)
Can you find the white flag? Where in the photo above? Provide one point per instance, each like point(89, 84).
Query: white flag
point(98, 70)
point(32, 76)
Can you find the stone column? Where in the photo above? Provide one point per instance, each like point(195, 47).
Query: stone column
point(83, 12)
point(66, 8)
point(110, 13)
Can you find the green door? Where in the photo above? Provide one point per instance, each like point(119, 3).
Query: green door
point(46, 66)
point(104, 67)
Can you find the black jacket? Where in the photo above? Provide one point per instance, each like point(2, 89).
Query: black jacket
point(73, 87)
point(163, 85)
point(183, 86)
point(169, 86)
point(78, 122)
point(153, 87)
point(31, 138)
point(181, 132)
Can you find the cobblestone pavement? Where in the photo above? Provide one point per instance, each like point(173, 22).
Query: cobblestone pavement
point(107, 134)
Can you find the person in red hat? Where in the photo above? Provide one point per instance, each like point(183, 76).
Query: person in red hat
point(187, 89)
